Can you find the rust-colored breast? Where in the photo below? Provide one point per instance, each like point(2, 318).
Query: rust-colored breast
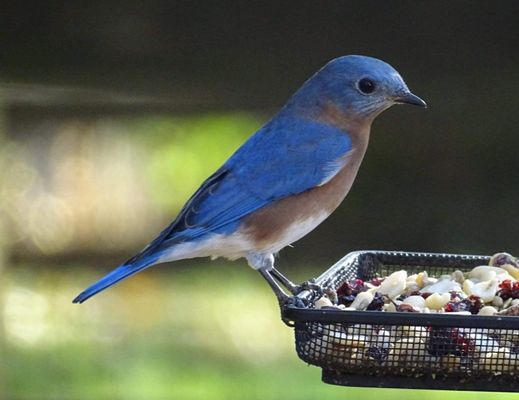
point(270, 224)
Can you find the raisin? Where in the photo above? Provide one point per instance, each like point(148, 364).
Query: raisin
point(377, 303)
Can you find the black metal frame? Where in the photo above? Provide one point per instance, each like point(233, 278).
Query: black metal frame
point(497, 384)
point(398, 318)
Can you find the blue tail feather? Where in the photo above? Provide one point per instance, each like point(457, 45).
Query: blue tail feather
point(117, 275)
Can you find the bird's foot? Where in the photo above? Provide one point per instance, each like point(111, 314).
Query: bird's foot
point(298, 302)
point(294, 289)
point(310, 286)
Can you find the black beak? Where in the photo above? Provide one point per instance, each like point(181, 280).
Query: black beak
point(409, 98)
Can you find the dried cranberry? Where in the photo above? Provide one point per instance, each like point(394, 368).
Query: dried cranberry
point(508, 289)
point(472, 304)
point(350, 287)
point(376, 281)
point(348, 290)
point(451, 306)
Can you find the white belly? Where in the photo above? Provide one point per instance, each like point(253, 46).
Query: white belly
point(238, 245)
point(295, 232)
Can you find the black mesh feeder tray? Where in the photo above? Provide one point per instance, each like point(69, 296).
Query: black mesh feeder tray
point(405, 350)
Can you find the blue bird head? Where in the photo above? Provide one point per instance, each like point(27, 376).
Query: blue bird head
point(360, 87)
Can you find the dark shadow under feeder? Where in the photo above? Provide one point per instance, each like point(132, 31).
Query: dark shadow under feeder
point(406, 350)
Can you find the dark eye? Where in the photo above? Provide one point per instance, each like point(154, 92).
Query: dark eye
point(366, 86)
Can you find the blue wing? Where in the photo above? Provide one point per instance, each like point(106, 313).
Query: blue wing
point(286, 157)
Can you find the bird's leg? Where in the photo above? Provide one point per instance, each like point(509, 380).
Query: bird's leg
point(280, 294)
point(264, 264)
point(292, 287)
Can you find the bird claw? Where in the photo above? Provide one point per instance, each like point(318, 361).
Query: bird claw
point(295, 301)
point(310, 286)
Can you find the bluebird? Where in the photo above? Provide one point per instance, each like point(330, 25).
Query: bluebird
point(284, 180)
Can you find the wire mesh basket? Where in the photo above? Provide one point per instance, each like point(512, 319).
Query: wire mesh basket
point(407, 350)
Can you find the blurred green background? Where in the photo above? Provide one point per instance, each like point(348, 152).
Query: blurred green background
point(111, 115)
